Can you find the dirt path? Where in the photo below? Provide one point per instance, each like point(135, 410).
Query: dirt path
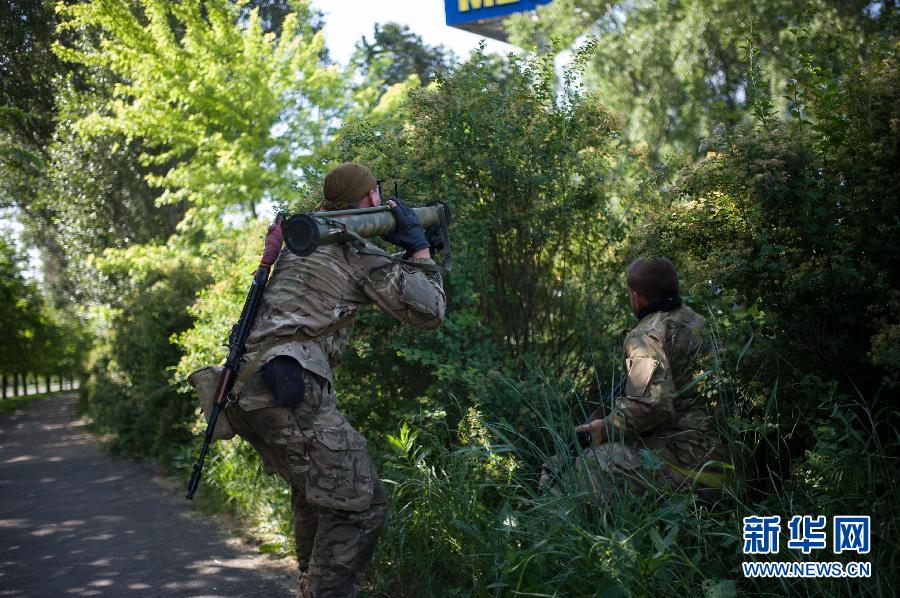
point(75, 521)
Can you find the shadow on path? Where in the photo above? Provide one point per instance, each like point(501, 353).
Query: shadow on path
point(75, 521)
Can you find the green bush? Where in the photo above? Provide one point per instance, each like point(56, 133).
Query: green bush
point(128, 392)
point(542, 197)
point(789, 231)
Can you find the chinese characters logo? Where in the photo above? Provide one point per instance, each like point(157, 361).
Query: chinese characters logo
point(850, 533)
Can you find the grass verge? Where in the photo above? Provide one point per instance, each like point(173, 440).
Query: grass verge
point(10, 405)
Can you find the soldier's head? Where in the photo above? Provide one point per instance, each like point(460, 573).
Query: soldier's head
point(349, 185)
point(650, 280)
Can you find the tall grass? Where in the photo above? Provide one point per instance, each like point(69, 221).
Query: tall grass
point(467, 518)
point(469, 521)
point(236, 481)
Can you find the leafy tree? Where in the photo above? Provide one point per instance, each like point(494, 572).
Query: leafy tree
point(28, 70)
point(220, 116)
point(100, 197)
point(212, 102)
point(37, 338)
point(674, 70)
point(788, 217)
point(396, 53)
point(59, 182)
point(20, 306)
point(29, 74)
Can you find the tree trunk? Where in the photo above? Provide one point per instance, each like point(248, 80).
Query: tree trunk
point(47, 380)
point(4, 386)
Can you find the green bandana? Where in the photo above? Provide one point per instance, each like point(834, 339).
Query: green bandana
point(345, 185)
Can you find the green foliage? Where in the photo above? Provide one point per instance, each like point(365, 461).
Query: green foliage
point(791, 220)
point(27, 69)
point(468, 521)
point(97, 191)
point(229, 260)
point(395, 54)
point(128, 391)
point(19, 311)
point(29, 76)
point(37, 337)
point(675, 70)
point(210, 94)
point(537, 222)
point(199, 100)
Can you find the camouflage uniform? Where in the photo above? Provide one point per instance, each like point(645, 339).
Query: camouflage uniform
point(307, 313)
point(659, 434)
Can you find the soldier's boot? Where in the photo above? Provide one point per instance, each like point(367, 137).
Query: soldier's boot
point(344, 545)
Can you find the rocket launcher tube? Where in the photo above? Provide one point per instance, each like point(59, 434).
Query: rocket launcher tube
point(304, 233)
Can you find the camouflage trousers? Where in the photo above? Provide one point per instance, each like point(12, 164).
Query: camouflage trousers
point(643, 466)
point(338, 503)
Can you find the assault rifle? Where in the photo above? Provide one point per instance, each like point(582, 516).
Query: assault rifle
point(236, 341)
point(583, 439)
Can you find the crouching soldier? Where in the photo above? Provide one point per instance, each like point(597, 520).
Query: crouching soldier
point(660, 432)
point(287, 410)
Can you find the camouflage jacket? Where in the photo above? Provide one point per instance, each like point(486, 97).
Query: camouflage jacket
point(311, 303)
point(662, 355)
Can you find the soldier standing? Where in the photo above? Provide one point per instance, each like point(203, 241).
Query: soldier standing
point(287, 410)
point(660, 433)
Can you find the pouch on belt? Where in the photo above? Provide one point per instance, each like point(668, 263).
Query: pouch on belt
point(205, 381)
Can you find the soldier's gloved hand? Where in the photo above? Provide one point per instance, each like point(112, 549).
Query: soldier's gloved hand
point(434, 236)
point(409, 233)
point(596, 431)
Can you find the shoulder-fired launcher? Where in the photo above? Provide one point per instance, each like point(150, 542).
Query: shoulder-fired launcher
point(303, 233)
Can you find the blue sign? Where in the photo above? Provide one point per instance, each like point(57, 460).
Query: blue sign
point(460, 12)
